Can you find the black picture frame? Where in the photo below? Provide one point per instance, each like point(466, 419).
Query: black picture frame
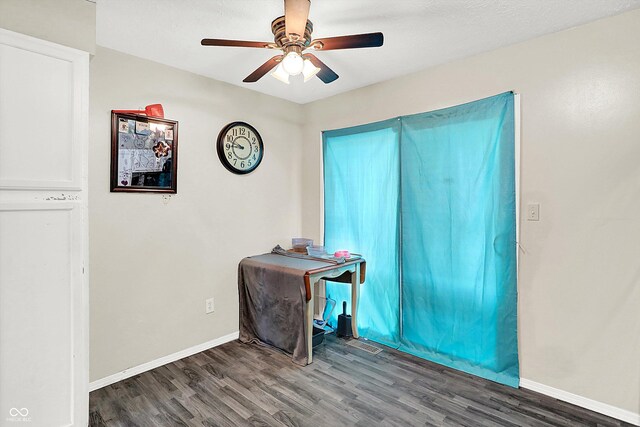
point(144, 154)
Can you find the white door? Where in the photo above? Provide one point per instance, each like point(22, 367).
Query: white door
point(43, 233)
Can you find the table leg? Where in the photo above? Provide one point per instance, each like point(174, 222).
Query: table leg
point(309, 308)
point(355, 285)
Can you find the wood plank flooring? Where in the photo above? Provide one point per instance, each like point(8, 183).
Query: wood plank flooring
point(239, 384)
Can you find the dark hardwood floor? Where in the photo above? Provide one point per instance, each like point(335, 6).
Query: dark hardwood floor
point(238, 384)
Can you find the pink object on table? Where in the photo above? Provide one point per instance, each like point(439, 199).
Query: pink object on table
point(342, 254)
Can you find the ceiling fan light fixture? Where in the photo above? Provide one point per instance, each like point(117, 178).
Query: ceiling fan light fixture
point(281, 74)
point(293, 63)
point(309, 70)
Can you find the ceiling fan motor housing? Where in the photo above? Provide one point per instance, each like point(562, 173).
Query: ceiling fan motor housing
point(283, 41)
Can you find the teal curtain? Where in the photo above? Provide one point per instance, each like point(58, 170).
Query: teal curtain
point(455, 232)
point(361, 179)
point(459, 238)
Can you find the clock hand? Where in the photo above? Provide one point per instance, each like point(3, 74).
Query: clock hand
point(235, 144)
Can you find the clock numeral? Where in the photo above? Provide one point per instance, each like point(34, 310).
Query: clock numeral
point(235, 161)
point(253, 139)
point(229, 155)
point(227, 146)
point(242, 131)
point(229, 138)
point(257, 149)
point(249, 163)
point(242, 165)
point(254, 157)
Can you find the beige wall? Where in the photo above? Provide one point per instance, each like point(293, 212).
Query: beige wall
point(67, 22)
point(152, 264)
point(579, 285)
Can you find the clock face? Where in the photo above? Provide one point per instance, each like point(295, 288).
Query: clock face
point(240, 147)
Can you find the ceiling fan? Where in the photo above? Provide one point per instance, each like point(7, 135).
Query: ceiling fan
point(292, 35)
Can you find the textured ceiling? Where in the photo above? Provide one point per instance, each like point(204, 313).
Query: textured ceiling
point(418, 34)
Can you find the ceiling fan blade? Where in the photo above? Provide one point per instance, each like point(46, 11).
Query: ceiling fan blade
point(296, 13)
point(326, 74)
point(263, 69)
point(349, 42)
point(234, 43)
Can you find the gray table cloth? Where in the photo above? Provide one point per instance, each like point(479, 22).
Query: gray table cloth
point(272, 302)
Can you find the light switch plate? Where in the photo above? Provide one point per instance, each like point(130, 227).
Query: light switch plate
point(208, 306)
point(533, 212)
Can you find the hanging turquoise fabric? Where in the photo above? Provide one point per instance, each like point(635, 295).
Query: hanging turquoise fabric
point(437, 192)
point(459, 238)
point(361, 182)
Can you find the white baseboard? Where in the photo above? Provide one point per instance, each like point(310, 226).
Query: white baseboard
point(129, 372)
point(594, 405)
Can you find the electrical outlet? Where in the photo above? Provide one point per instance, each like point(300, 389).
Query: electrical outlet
point(533, 212)
point(208, 306)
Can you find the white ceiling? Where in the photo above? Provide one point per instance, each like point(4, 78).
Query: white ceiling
point(418, 34)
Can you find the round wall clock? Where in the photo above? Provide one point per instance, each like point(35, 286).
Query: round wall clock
point(240, 147)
